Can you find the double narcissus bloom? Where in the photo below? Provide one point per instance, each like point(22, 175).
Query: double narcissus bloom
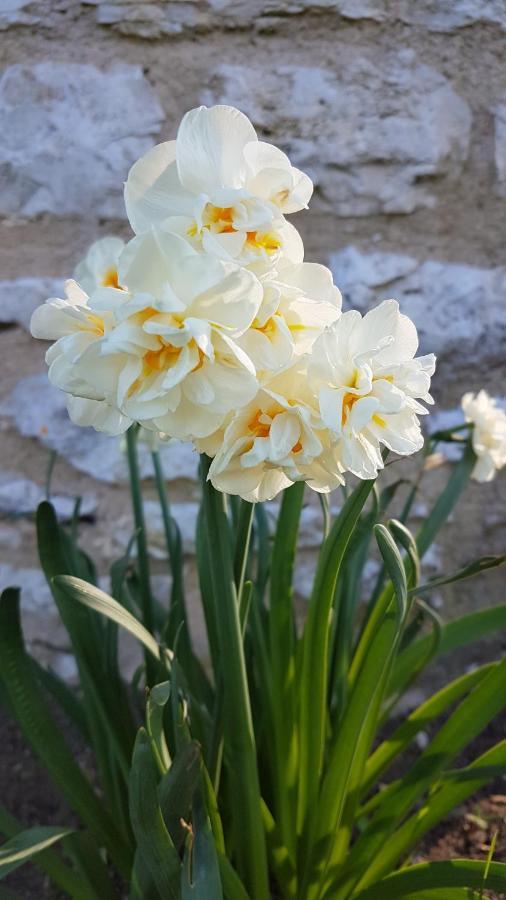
point(208, 326)
point(489, 434)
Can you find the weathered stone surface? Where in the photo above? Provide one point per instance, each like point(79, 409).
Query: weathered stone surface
point(68, 135)
point(458, 309)
point(20, 496)
point(153, 20)
point(43, 13)
point(500, 149)
point(20, 296)
point(158, 18)
point(38, 410)
point(447, 15)
point(368, 136)
point(14, 12)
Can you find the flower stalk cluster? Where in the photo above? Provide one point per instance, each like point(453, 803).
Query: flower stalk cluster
point(208, 325)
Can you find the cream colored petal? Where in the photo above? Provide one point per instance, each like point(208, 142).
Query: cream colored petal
point(210, 148)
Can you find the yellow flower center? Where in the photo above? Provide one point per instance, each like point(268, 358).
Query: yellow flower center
point(159, 359)
point(258, 428)
point(96, 322)
point(349, 399)
point(262, 429)
point(110, 278)
point(220, 220)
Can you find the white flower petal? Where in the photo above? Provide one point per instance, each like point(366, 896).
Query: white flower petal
point(210, 148)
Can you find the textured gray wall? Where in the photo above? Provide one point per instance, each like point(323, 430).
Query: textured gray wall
point(396, 108)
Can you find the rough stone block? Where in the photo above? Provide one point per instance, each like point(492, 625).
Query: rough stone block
point(368, 135)
point(68, 135)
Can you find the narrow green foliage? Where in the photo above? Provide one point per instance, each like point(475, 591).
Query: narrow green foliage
point(201, 878)
point(27, 844)
point(312, 679)
point(469, 571)
point(238, 726)
point(154, 843)
point(453, 873)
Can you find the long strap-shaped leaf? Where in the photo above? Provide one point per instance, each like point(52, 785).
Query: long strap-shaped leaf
point(430, 528)
point(50, 862)
point(315, 641)
point(201, 878)
point(469, 719)
point(460, 785)
point(105, 702)
point(458, 633)
point(27, 844)
point(282, 659)
point(347, 755)
point(96, 599)
point(389, 749)
point(40, 730)
point(154, 843)
point(446, 501)
point(240, 749)
point(453, 873)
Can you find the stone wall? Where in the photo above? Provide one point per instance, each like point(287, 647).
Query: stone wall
point(396, 108)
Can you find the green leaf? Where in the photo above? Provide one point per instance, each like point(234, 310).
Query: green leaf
point(458, 633)
point(404, 537)
point(454, 789)
point(282, 637)
point(201, 871)
point(27, 844)
point(369, 857)
point(394, 564)
point(176, 790)
point(94, 598)
point(155, 707)
point(312, 678)
point(233, 887)
point(105, 701)
point(474, 568)
point(49, 862)
point(452, 873)
point(46, 739)
point(389, 749)
point(153, 840)
point(240, 750)
point(446, 501)
point(340, 792)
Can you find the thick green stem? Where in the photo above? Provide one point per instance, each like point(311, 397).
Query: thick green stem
point(240, 752)
point(175, 558)
point(141, 540)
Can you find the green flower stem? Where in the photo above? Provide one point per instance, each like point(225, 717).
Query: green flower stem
point(168, 527)
point(141, 541)
point(242, 543)
point(240, 752)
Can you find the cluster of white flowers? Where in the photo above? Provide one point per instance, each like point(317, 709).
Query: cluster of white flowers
point(208, 326)
point(489, 434)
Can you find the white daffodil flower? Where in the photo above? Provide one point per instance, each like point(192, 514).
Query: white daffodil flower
point(489, 434)
point(276, 440)
point(99, 268)
point(299, 302)
point(74, 327)
point(221, 188)
point(369, 386)
point(164, 351)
